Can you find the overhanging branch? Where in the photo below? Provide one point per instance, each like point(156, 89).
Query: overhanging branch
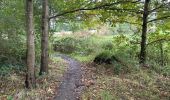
point(161, 18)
point(93, 8)
point(126, 10)
point(159, 40)
point(124, 21)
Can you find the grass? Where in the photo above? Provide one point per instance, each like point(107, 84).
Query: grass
point(87, 58)
point(12, 86)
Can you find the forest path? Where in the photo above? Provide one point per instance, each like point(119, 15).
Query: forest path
point(71, 86)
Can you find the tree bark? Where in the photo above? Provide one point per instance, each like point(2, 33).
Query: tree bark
point(44, 38)
point(142, 59)
point(30, 75)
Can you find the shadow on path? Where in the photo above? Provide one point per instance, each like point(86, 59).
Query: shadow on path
point(71, 86)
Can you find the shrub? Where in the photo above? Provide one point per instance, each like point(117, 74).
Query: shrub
point(166, 71)
point(6, 69)
point(66, 45)
point(104, 57)
point(118, 65)
point(108, 45)
point(82, 46)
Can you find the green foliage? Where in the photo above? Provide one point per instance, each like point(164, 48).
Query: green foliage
point(9, 98)
point(12, 51)
point(7, 69)
point(12, 32)
point(122, 44)
point(124, 47)
point(159, 41)
point(118, 69)
point(165, 70)
point(108, 45)
point(83, 46)
point(104, 57)
point(66, 45)
point(119, 66)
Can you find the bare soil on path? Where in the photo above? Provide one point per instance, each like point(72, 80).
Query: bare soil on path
point(71, 85)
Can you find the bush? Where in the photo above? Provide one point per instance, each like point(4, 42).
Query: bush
point(119, 66)
point(104, 57)
point(163, 70)
point(108, 45)
point(166, 71)
point(12, 52)
point(82, 46)
point(6, 69)
point(66, 45)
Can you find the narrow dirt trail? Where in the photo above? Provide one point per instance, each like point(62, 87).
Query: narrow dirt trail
point(71, 86)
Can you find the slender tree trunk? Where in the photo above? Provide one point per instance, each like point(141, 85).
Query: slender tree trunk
point(142, 59)
point(30, 75)
point(161, 53)
point(44, 38)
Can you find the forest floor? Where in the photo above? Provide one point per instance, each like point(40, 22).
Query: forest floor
point(87, 81)
point(12, 86)
point(90, 81)
point(144, 84)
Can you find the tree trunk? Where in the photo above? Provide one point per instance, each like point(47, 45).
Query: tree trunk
point(142, 59)
point(161, 54)
point(44, 38)
point(30, 75)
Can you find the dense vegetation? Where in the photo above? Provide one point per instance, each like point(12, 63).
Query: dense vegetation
point(124, 44)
